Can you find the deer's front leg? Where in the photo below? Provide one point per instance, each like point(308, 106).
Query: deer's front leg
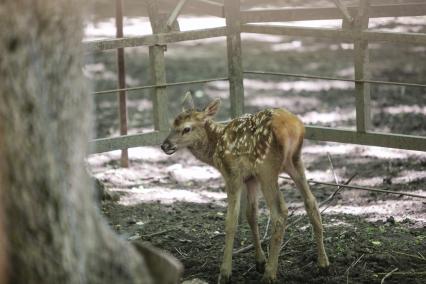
point(233, 188)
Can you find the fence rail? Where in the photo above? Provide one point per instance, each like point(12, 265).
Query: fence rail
point(370, 138)
point(174, 37)
point(155, 39)
point(238, 22)
point(330, 13)
point(305, 76)
point(337, 34)
point(162, 85)
point(127, 141)
point(397, 141)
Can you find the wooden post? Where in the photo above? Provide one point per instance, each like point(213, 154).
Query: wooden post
point(157, 69)
point(121, 80)
point(235, 71)
point(361, 62)
point(235, 67)
point(175, 13)
point(344, 10)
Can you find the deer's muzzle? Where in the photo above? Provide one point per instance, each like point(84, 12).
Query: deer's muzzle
point(168, 147)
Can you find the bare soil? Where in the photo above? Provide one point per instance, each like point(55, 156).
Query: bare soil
point(366, 234)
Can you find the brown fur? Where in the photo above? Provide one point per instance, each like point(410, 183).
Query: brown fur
point(289, 131)
point(250, 151)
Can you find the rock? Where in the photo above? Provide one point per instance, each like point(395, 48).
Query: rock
point(102, 193)
point(387, 180)
point(159, 262)
point(390, 220)
point(99, 189)
point(111, 196)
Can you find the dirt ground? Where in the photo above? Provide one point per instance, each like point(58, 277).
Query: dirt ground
point(178, 203)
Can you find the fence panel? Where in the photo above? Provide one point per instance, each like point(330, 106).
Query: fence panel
point(236, 23)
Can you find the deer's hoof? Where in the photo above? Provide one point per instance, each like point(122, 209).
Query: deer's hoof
point(324, 270)
point(260, 266)
point(224, 278)
point(323, 262)
point(268, 280)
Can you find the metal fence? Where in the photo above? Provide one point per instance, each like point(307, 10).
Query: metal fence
point(354, 30)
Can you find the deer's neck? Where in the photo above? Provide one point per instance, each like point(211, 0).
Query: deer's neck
point(206, 147)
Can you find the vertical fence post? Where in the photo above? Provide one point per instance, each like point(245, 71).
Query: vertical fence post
point(235, 71)
point(121, 80)
point(362, 72)
point(158, 69)
point(235, 67)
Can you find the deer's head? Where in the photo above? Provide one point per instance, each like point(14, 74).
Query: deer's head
point(188, 126)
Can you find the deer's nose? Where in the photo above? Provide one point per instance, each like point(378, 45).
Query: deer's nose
point(165, 145)
point(168, 147)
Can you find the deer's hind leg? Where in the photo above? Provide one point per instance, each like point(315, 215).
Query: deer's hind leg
point(296, 171)
point(251, 213)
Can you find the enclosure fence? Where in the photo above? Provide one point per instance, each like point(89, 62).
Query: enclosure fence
point(354, 30)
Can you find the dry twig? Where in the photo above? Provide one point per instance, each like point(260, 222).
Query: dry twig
point(248, 270)
point(267, 228)
point(184, 255)
point(364, 188)
point(388, 275)
point(286, 242)
point(157, 233)
point(246, 248)
point(249, 247)
point(421, 273)
point(339, 188)
point(332, 168)
point(351, 266)
point(217, 235)
point(410, 255)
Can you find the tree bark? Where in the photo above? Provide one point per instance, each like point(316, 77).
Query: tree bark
point(52, 230)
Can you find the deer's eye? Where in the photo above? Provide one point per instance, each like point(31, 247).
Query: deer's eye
point(186, 130)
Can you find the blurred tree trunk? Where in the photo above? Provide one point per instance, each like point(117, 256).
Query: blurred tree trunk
point(52, 230)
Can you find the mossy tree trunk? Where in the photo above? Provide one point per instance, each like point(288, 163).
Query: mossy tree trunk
point(52, 231)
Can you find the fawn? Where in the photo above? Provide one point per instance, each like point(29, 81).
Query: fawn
point(249, 151)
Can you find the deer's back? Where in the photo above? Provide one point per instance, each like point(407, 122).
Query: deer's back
point(248, 140)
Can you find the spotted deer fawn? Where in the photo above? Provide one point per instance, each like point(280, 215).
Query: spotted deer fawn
point(249, 151)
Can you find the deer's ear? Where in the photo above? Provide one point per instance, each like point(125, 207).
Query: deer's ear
point(188, 102)
point(212, 108)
